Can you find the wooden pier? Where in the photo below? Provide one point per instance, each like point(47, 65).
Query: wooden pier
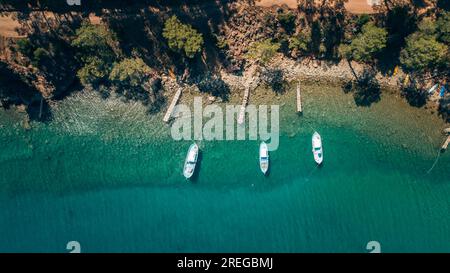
point(172, 105)
point(446, 143)
point(241, 117)
point(299, 100)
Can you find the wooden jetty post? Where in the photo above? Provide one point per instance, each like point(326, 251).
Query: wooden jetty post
point(244, 105)
point(40, 107)
point(172, 105)
point(299, 99)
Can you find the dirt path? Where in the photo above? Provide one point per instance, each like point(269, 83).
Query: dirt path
point(353, 6)
point(8, 25)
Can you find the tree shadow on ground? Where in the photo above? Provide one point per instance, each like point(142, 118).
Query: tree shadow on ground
point(444, 4)
point(214, 85)
point(444, 109)
point(274, 78)
point(366, 89)
point(415, 97)
point(401, 21)
point(150, 94)
point(40, 111)
point(140, 27)
point(158, 100)
point(14, 90)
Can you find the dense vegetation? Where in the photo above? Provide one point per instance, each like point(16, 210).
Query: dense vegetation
point(138, 41)
point(182, 37)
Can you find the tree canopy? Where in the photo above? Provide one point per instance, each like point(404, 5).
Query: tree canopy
point(93, 71)
point(182, 38)
point(96, 53)
point(371, 41)
point(443, 27)
point(423, 51)
point(95, 40)
point(263, 51)
point(130, 72)
point(300, 42)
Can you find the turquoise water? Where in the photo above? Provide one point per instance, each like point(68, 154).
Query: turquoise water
point(108, 175)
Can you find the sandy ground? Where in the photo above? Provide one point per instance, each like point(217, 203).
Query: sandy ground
point(8, 25)
point(353, 6)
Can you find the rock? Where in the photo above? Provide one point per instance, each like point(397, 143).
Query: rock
point(211, 99)
point(21, 108)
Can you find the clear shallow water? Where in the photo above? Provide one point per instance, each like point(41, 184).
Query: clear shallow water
point(108, 175)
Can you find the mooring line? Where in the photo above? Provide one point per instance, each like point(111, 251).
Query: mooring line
point(435, 162)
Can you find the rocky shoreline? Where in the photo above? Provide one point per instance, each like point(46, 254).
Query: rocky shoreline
point(305, 70)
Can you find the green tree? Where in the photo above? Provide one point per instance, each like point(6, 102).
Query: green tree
point(130, 72)
point(361, 20)
point(443, 27)
point(95, 45)
point(263, 51)
point(427, 27)
point(134, 80)
point(300, 43)
point(94, 71)
point(364, 48)
point(182, 38)
point(25, 47)
point(38, 56)
point(422, 52)
point(95, 40)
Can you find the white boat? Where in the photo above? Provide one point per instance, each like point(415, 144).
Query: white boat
point(263, 157)
point(433, 89)
point(317, 148)
point(191, 161)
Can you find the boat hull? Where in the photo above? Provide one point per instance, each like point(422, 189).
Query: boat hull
point(263, 157)
point(433, 89)
point(317, 148)
point(191, 161)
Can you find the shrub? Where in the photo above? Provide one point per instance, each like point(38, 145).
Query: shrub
point(38, 56)
point(25, 47)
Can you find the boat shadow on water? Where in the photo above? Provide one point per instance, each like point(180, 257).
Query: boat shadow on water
point(196, 174)
point(266, 175)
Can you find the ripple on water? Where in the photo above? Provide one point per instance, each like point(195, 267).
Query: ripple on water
point(118, 143)
point(372, 185)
